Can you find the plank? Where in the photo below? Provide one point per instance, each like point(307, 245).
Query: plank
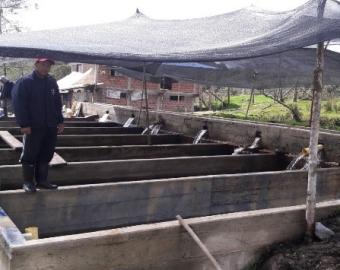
point(57, 160)
point(128, 122)
point(13, 142)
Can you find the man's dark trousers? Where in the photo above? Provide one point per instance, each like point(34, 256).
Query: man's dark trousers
point(37, 152)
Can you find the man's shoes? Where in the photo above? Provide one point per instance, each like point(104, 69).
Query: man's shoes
point(29, 187)
point(46, 185)
point(28, 174)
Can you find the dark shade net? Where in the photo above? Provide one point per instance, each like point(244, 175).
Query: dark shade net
point(288, 69)
point(241, 34)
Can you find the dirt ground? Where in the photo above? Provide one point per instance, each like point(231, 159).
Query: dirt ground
point(318, 255)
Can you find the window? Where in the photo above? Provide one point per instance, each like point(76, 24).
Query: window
point(77, 67)
point(177, 98)
point(166, 83)
point(112, 72)
point(122, 95)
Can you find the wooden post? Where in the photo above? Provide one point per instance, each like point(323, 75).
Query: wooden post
point(314, 132)
point(5, 101)
point(146, 104)
point(210, 100)
point(295, 94)
point(228, 100)
point(250, 100)
point(198, 242)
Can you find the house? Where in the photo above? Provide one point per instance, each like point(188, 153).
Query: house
point(115, 88)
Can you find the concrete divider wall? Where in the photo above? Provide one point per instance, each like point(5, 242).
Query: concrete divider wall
point(89, 130)
point(118, 139)
point(13, 124)
point(93, 207)
point(236, 240)
point(96, 153)
point(287, 138)
point(92, 172)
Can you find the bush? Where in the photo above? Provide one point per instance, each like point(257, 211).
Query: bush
point(218, 106)
point(328, 106)
point(330, 123)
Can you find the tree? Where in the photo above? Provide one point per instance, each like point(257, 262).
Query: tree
point(292, 108)
point(8, 8)
point(314, 132)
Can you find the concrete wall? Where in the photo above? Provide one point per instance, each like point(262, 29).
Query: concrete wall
point(90, 130)
point(118, 139)
point(96, 153)
point(7, 124)
point(92, 172)
point(287, 138)
point(234, 239)
point(74, 209)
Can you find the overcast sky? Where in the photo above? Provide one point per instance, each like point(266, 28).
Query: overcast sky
point(62, 13)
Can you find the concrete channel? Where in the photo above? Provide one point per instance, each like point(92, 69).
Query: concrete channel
point(83, 208)
point(235, 239)
point(119, 197)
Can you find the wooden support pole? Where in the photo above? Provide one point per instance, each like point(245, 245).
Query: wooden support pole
point(146, 104)
point(228, 96)
point(198, 242)
point(314, 133)
point(5, 101)
point(250, 100)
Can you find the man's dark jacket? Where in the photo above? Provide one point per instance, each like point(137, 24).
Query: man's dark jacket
point(37, 102)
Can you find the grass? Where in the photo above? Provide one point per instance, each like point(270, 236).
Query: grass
point(266, 110)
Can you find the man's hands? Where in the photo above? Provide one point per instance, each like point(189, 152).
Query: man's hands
point(26, 130)
point(61, 128)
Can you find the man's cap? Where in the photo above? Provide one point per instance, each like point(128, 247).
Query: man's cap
point(44, 59)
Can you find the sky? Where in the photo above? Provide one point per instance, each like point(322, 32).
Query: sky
point(52, 14)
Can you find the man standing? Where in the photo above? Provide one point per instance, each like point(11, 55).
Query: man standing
point(38, 111)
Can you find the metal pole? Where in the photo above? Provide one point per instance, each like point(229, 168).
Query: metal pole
point(314, 132)
point(198, 242)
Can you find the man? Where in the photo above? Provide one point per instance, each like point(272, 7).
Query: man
point(38, 111)
point(5, 94)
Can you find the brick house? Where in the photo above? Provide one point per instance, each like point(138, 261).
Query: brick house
point(118, 89)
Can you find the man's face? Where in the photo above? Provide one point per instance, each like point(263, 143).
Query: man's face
point(43, 68)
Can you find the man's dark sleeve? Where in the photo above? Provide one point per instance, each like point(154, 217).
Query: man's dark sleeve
point(59, 105)
point(20, 99)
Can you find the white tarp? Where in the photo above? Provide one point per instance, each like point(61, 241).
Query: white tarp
point(77, 80)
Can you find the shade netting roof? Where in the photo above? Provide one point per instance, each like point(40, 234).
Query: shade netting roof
point(292, 68)
point(245, 33)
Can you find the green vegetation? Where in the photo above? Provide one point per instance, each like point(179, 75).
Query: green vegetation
point(14, 70)
point(267, 110)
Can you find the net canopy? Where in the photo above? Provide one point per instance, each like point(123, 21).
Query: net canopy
point(284, 70)
point(245, 33)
